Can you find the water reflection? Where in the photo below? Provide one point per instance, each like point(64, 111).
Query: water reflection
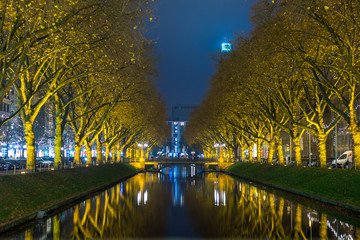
point(240, 210)
point(183, 202)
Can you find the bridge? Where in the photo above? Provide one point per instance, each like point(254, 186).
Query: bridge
point(160, 163)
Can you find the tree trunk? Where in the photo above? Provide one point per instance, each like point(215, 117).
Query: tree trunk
point(356, 138)
point(322, 149)
point(77, 154)
point(236, 152)
point(242, 153)
point(30, 146)
point(251, 159)
point(107, 152)
point(258, 150)
point(119, 152)
point(230, 153)
point(355, 130)
point(141, 154)
point(207, 154)
point(128, 153)
point(147, 151)
point(271, 152)
point(297, 150)
point(113, 154)
point(98, 151)
point(88, 153)
point(58, 145)
point(58, 134)
point(279, 149)
point(221, 154)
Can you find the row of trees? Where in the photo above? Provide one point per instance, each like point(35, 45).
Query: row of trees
point(297, 71)
point(90, 61)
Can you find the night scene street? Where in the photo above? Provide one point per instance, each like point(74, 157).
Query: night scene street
point(179, 119)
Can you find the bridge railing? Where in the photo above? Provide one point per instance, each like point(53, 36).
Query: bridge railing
point(181, 159)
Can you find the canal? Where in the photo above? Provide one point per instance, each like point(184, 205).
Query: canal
point(183, 202)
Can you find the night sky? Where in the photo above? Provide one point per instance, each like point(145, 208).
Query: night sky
point(187, 33)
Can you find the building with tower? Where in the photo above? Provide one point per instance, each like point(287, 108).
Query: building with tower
point(176, 146)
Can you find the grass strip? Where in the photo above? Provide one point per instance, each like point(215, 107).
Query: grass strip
point(339, 185)
point(21, 195)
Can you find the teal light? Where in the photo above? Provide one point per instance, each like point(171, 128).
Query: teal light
point(226, 47)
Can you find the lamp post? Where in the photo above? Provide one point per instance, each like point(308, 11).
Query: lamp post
point(336, 145)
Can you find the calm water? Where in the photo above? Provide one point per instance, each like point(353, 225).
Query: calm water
point(181, 202)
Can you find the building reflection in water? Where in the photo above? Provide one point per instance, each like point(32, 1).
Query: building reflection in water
point(218, 206)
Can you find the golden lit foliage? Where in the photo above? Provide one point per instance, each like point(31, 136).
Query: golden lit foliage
point(90, 57)
point(299, 62)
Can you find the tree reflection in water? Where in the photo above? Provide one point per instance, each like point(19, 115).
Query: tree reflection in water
point(217, 205)
point(116, 214)
point(239, 210)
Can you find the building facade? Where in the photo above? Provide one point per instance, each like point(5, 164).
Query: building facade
point(176, 145)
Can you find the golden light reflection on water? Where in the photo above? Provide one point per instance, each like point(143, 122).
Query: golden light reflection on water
point(216, 204)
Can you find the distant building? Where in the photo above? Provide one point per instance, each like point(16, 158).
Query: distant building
point(176, 146)
point(6, 109)
point(8, 104)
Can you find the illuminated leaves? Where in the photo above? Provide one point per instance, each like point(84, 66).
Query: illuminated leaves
point(300, 59)
point(93, 54)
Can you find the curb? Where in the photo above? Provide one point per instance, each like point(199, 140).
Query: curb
point(23, 220)
point(303, 194)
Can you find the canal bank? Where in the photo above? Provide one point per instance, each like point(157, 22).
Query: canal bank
point(22, 196)
point(337, 187)
point(183, 201)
